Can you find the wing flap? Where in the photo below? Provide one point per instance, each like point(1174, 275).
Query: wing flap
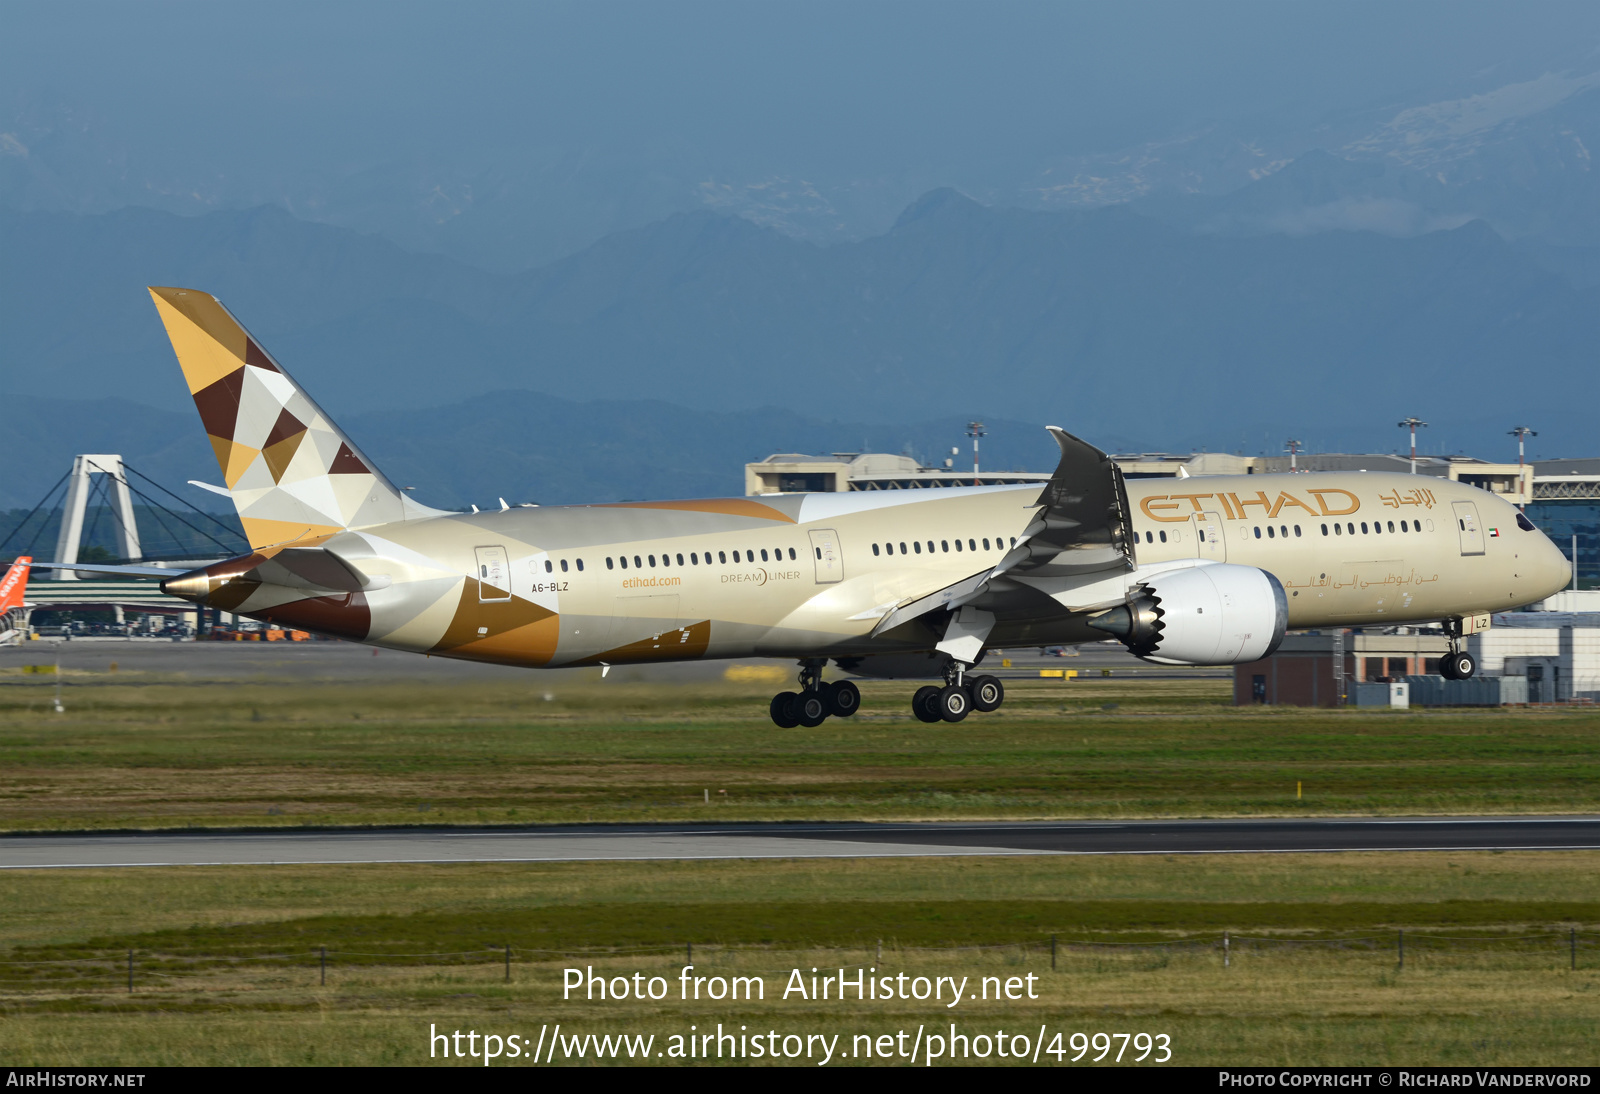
point(951, 596)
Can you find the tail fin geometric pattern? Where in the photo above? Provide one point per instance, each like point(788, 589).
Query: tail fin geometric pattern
point(293, 474)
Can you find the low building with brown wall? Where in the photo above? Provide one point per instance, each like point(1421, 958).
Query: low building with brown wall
point(1306, 671)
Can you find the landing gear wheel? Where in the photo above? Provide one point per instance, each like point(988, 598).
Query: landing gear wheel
point(1461, 665)
point(987, 693)
point(955, 703)
point(783, 710)
point(844, 698)
point(811, 709)
point(925, 704)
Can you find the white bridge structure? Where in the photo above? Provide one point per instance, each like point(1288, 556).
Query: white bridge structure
point(65, 589)
point(79, 487)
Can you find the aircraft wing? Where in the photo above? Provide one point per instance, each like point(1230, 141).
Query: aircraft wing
point(1082, 523)
point(1079, 531)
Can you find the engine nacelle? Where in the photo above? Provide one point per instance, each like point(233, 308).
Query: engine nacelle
point(1207, 615)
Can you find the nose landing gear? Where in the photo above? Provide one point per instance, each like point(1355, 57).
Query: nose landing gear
point(1458, 664)
point(816, 701)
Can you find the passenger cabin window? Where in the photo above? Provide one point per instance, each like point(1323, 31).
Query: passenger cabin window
point(722, 557)
point(763, 554)
point(791, 555)
point(875, 549)
point(580, 565)
point(1163, 535)
point(918, 545)
point(986, 544)
point(609, 566)
point(547, 566)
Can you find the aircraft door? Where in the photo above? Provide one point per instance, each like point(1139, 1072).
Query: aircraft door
point(1468, 528)
point(1210, 542)
point(825, 554)
point(494, 574)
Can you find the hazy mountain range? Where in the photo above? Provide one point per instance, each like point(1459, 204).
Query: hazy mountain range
point(1105, 320)
point(519, 134)
point(558, 251)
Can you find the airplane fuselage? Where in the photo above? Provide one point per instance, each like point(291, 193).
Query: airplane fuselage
point(812, 575)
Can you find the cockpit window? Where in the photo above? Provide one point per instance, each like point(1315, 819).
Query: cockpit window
point(1524, 523)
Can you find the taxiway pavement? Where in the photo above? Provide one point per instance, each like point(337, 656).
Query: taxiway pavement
point(759, 841)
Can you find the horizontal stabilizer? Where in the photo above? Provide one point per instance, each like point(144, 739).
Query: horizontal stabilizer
point(108, 569)
point(222, 490)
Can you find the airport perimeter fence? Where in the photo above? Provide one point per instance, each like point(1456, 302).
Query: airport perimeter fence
point(136, 970)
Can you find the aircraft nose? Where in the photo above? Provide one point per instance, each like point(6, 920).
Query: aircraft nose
point(1551, 571)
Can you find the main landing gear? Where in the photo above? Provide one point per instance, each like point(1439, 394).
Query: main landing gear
point(816, 700)
point(1458, 664)
point(960, 696)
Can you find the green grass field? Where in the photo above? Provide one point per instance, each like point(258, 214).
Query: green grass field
point(226, 959)
point(144, 754)
point(227, 965)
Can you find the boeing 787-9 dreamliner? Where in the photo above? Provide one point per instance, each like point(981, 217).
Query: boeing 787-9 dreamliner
point(913, 584)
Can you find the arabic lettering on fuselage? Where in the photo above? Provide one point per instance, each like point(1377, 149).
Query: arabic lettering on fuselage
point(1417, 496)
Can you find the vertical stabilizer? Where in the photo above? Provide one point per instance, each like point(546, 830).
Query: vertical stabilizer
point(14, 585)
point(292, 473)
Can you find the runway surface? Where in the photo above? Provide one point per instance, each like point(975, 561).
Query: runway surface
point(758, 841)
